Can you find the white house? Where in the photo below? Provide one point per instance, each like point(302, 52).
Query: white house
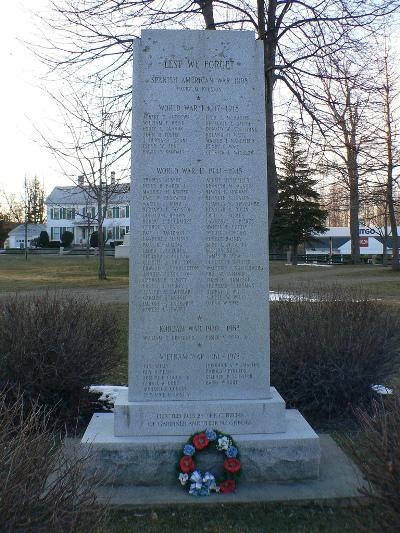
point(16, 237)
point(73, 209)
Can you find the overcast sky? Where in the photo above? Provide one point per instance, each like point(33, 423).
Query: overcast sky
point(24, 104)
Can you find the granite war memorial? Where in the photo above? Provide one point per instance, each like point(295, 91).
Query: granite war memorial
point(199, 312)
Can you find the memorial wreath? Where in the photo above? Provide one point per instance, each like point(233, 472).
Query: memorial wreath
point(199, 484)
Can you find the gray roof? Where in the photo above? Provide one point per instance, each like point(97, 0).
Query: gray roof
point(76, 195)
point(33, 230)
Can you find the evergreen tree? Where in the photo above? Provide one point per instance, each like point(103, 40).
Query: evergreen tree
point(35, 202)
point(94, 239)
point(298, 212)
point(44, 239)
point(67, 238)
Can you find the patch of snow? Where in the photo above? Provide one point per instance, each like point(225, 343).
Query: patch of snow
point(381, 389)
point(108, 392)
point(309, 265)
point(288, 296)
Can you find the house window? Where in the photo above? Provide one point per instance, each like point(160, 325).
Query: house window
point(55, 234)
point(69, 214)
point(122, 231)
point(109, 213)
point(115, 212)
point(55, 213)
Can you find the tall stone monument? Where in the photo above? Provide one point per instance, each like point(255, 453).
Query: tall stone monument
point(199, 323)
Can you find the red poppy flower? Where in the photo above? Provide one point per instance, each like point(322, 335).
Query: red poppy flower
point(232, 464)
point(229, 485)
point(200, 441)
point(186, 464)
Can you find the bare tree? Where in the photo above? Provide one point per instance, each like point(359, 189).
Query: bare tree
point(90, 153)
point(389, 95)
point(28, 208)
point(93, 36)
point(14, 207)
point(30, 203)
point(380, 207)
point(337, 205)
point(345, 104)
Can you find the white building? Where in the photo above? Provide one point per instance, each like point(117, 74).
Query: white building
point(73, 209)
point(16, 237)
point(337, 241)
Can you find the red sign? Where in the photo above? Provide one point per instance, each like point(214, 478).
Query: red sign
point(363, 242)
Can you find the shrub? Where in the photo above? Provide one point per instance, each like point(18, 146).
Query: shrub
point(377, 453)
point(43, 239)
point(41, 488)
point(326, 353)
point(94, 239)
point(54, 244)
point(66, 238)
point(54, 346)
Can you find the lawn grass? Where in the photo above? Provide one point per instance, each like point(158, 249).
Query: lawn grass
point(378, 281)
point(51, 271)
point(245, 518)
point(48, 271)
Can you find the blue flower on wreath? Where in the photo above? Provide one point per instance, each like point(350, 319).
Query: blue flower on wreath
point(199, 490)
point(232, 451)
point(204, 491)
point(209, 481)
point(188, 449)
point(211, 435)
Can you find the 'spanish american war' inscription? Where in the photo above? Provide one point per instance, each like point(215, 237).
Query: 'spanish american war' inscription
point(198, 278)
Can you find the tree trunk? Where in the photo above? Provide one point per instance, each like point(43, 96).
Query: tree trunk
point(102, 268)
point(352, 169)
point(88, 240)
point(267, 32)
point(354, 224)
point(385, 239)
point(395, 238)
point(294, 254)
point(390, 167)
point(207, 11)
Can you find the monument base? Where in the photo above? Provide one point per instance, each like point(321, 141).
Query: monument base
point(237, 417)
point(151, 460)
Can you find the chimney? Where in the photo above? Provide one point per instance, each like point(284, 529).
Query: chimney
point(81, 181)
point(112, 178)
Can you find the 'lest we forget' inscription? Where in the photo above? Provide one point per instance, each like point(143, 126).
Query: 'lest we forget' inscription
point(199, 266)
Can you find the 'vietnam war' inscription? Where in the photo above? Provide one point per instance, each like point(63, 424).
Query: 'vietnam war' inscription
point(199, 241)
